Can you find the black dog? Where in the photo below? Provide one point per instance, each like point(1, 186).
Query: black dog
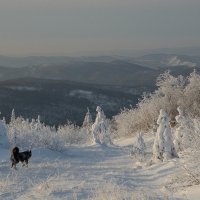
point(17, 157)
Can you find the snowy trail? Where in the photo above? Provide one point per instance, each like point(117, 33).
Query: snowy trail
point(74, 173)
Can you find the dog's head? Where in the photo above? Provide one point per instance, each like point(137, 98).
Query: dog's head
point(30, 153)
point(15, 150)
point(26, 154)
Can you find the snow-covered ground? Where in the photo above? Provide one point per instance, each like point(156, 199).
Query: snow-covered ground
point(81, 172)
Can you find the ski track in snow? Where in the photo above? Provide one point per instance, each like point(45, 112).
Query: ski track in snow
point(75, 173)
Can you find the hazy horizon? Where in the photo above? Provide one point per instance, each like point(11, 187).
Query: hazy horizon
point(92, 27)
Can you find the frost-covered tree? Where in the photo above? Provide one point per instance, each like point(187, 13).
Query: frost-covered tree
point(38, 119)
point(3, 132)
point(169, 149)
point(163, 147)
point(100, 128)
point(168, 95)
point(88, 119)
point(170, 90)
point(139, 148)
point(12, 132)
point(158, 146)
point(182, 136)
point(3, 127)
point(87, 126)
point(191, 101)
point(12, 118)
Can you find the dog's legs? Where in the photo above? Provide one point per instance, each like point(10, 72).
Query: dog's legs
point(13, 166)
point(23, 164)
point(26, 161)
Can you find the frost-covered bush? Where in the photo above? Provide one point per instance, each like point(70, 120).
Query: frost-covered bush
point(73, 134)
point(171, 92)
point(195, 135)
point(191, 165)
point(28, 134)
point(188, 173)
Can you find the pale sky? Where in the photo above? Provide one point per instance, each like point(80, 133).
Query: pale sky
point(75, 27)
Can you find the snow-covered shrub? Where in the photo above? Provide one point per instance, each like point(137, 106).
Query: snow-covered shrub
point(73, 134)
point(191, 167)
point(195, 135)
point(100, 128)
point(139, 148)
point(28, 134)
point(163, 147)
point(188, 172)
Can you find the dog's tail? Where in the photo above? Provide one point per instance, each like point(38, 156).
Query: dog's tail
point(15, 152)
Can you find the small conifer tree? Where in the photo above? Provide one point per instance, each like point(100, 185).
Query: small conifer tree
point(163, 148)
point(182, 133)
point(88, 119)
point(100, 128)
point(139, 148)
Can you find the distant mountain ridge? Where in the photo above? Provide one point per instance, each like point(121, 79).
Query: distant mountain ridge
point(190, 51)
point(61, 88)
point(101, 70)
point(115, 72)
point(41, 60)
point(162, 61)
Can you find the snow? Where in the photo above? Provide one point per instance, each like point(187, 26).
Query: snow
point(192, 193)
point(83, 171)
